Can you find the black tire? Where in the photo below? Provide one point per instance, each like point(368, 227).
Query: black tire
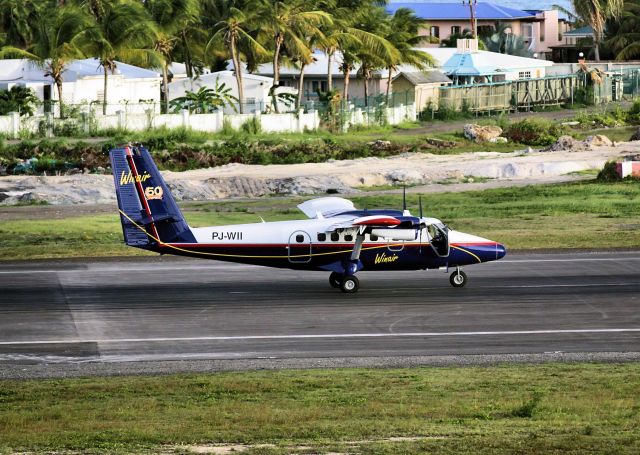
point(350, 284)
point(458, 279)
point(335, 280)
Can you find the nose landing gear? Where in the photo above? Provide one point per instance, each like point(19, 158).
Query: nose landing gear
point(458, 278)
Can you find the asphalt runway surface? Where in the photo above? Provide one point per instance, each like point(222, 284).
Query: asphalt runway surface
point(64, 316)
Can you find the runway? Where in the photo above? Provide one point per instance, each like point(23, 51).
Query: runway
point(70, 312)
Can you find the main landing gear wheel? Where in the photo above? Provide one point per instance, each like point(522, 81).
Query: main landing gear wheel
point(458, 279)
point(350, 284)
point(335, 280)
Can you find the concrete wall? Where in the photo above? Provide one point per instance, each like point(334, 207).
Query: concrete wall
point(12, 125)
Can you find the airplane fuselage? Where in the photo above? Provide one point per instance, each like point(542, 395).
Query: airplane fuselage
point(309, 245)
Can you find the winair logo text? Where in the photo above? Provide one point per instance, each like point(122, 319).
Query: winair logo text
point(129, 178)
point(384, 259)
point(226, 235)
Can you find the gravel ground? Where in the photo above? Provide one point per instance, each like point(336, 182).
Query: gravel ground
point(88, 369)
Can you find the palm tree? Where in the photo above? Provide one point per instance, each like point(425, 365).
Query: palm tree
point(206, 99)
point(623, 36)
point(122, 30)
point(58, 40)
point(232, 31)
point(170, 17)
point(17, 19)
point(289, 21)
point(403, 35)
point(373, 21)
point(595, 13)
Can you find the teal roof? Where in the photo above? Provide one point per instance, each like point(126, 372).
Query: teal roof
point(580, 32)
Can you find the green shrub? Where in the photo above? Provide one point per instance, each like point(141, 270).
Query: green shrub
point(252, 126)
point(18, 99)
point(608, 173)
point(534, 131)
point(633, 115)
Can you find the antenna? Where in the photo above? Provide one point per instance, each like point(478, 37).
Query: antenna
point(420, 202)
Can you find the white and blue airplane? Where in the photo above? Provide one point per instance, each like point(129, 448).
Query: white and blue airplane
point(336, 237)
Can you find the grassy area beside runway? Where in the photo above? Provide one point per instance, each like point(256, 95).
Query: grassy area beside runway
point(578, 215)
point(547, 408)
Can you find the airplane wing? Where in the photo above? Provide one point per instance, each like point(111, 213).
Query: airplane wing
point(326, 207)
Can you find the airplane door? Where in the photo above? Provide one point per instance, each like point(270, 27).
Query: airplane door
point(438, 237)
point(299, 247)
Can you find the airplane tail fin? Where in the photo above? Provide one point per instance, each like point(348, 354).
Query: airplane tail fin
point(148, 212)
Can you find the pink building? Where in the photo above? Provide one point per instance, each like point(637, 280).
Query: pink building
point(540, 30)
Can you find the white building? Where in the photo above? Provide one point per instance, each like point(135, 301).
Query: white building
point(466, 64)
point(256, 88)
point(130, 88)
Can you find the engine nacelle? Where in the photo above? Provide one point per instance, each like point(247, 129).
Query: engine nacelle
point(395, 234)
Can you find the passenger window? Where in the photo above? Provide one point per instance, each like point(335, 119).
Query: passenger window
point(299, 238)
point(373, 238)
point(348, 238)
point(322, 237)
point(335, 237)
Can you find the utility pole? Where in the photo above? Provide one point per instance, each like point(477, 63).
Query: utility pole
point(472, 16)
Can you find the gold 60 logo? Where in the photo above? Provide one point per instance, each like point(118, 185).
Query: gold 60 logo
point(153, 192)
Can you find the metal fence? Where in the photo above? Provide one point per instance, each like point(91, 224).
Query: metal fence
point(527, 94)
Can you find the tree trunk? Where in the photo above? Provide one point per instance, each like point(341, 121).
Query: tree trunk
point(165, 89)
point(300, 86)
point(276, 73)
point(366, 91)
point(472, 18)
point(329, 71)
point(365, 76)
point(59, 86)
point(238, 70)
point(187, 55)
point(389, 84)
point(104, 93)
point(345, 92)
point(596, 51)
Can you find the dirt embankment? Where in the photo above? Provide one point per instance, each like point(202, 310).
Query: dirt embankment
point(423, 171)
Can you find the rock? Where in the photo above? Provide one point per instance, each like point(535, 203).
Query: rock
point(529, 150)
point(380, 145)
point(570, 123)
point(477, 133)
point(635, 136)
point(499, 140)
point(565, 143)
point(598, 141)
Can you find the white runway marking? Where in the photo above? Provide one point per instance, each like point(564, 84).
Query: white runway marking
point(325, 336)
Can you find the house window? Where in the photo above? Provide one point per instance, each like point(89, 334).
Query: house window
point(435, 31)
point(524, 75)
point(527, 33)
point(322, 237)
point(250, 101)
point(318, 86)
point(455, 30)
